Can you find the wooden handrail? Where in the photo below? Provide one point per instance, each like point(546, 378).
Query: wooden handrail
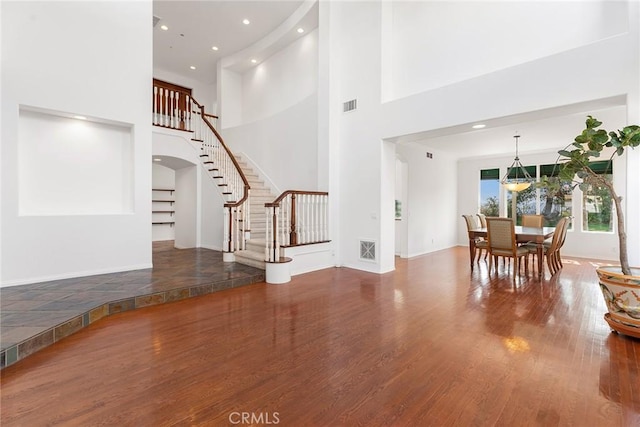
point(286, 229)
point(231, 156)
point(276, 202)
point(175, 108)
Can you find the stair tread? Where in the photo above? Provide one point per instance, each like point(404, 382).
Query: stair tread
point(257, 256)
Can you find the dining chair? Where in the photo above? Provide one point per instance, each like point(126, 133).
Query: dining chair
point(481, 244)
point(483, 220)
point(551, 251)
point(563, 237)
point(501, 235)
point(532, 221)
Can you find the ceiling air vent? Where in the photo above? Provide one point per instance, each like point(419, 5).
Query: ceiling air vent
point(156, 19)
point(367, 250)
point(350, 105)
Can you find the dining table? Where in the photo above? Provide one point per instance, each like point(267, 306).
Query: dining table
point(535, 235)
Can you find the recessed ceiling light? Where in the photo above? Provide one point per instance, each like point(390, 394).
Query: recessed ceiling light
point(214, 47)
point(478, 126)
point(245, 21)
point(164, 27)
point(80, 117)
point(254, 61)
point(157, 160)
point(301, 30)
point(193, 67)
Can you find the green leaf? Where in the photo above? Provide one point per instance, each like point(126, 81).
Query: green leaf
point(592, 123)
point(564, 153)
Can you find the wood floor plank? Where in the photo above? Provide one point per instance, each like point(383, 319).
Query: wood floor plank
point(431, 343)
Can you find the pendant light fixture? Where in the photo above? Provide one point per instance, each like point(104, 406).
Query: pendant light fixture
point(517, 178)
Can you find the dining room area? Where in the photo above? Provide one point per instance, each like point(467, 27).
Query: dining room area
point(495, 238)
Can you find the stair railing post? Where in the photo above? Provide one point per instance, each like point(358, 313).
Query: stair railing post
point(276, 243)
point(293, 235)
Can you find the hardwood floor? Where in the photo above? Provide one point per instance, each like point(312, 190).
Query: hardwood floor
point(431, 344)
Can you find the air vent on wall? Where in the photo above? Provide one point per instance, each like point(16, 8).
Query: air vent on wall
point(156, 19)
point(367, 250)
point(350, 105)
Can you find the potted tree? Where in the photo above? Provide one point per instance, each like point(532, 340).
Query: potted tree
point(620, 285)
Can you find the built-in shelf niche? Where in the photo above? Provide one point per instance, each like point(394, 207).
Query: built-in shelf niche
point(163, 206)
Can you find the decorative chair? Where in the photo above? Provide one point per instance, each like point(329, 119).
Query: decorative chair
point(552, 250)
point(501, 235)
point(532, 221)
point(481, 244)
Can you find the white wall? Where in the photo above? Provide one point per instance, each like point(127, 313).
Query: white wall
point(365, 193)
point(282, 80)
point(55, 156)
point(187, 206)
point(431, 207)
point(229, 90)
point(434, 43)
point(91, 59)
point(402, 230)
point(284, 145)
point(277, 125)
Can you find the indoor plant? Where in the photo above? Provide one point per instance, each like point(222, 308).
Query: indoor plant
point(620, 285)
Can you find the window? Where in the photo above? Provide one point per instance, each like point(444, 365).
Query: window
point(596, 200)
point(526, 200)
point(489, 191)
point(556, 202)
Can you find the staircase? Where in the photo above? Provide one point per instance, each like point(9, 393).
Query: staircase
point(254, 252)
point(253, 234)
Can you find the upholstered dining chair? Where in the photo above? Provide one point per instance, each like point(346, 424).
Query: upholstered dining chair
point(481, 244)
point(532, 221)
point(552, 249)
point(483, 220)
point(501, 235)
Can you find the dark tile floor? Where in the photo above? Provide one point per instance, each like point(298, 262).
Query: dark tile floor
point(37, 315)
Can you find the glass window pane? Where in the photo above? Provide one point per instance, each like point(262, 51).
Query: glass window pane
point(597, 206)
point(556, 203)
point(489, 191)
point(525, 203)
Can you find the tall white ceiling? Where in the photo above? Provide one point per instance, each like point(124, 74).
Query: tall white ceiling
point(196, 26)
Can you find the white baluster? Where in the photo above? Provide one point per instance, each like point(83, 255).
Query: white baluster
point(225, 228)
point(267, 233)
point(314, 220)
point(276, 250)
point(248, 202)
point(178, 118)
point(302, 236)
point(285, 218)
point(323, 223)
point(155, 105)
point(164, 107)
